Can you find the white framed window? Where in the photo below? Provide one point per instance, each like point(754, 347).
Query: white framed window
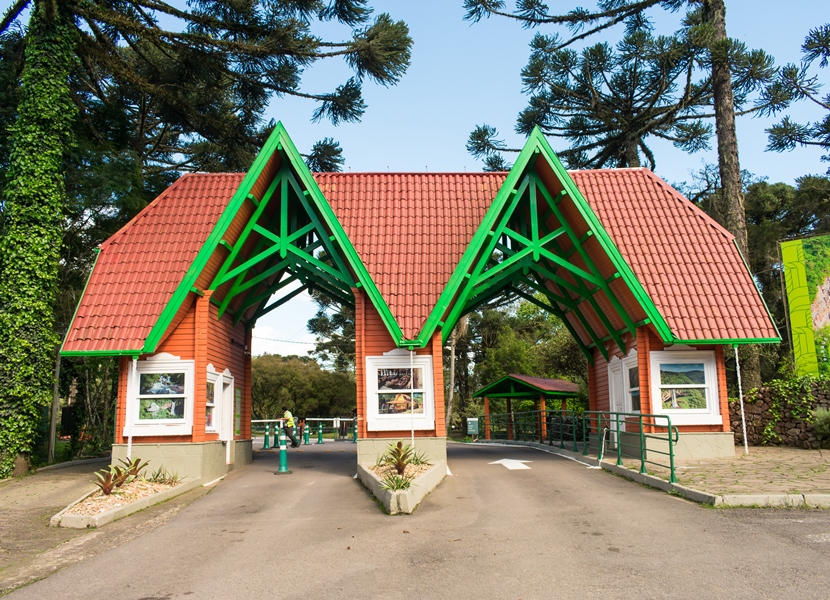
point(214, 384)
point(219, 403)
point(160, 396)
point(684, 386)
point(399, 392)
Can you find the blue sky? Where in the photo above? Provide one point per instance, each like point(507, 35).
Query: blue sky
point(466, 74)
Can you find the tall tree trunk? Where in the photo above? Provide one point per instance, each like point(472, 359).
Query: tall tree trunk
point(732, 196)
point(459, 331)
point(632, 156)
point(30, 244)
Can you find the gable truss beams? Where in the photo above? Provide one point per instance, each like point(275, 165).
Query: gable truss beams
point(284, 244)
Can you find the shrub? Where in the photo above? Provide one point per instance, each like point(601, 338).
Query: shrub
point(821, 423)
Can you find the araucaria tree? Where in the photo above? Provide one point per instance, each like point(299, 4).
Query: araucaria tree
point(723, 60)
point(208, 79)
point(802, 85)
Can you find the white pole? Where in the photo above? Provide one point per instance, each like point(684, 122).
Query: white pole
point(741, 397)
point(412, 395)
point(127, 419)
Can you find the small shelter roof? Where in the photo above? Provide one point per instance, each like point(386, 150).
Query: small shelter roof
point(514, 385)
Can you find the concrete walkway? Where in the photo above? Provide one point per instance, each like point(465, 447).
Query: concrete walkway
point(765, 470)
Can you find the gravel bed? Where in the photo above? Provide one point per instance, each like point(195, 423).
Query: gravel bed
point(98, 503)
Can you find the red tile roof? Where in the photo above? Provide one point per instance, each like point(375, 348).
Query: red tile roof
point(524, 386)
point(410, 230)
point(687, 263)
point(139, 267)
point(548, 385)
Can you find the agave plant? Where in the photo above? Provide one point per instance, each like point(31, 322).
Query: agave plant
point(106, 479)
point(398, 456)
point(134, 467)
point(395, 482)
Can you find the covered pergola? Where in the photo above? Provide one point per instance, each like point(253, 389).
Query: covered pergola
point(523, 387)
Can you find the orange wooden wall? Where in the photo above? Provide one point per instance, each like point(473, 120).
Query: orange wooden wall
point(373, 339)
point(201, 337)
point(646, 342)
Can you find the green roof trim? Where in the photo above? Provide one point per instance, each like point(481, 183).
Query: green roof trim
point(303, 183)
point(472, 278)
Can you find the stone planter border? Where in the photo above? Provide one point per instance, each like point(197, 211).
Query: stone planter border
point(89, 522)
point(403, 501)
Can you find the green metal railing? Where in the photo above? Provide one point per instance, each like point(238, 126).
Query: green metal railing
point(649, 439)
point(321, 429)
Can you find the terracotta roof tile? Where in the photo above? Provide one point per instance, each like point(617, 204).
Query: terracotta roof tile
point(410, 230)
point(687, 263)
point(139, 267)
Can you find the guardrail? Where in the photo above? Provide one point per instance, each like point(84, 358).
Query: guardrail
point(647, 438)
point(323, 428)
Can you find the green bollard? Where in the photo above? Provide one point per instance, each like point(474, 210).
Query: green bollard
point(306, 441)
point(354, 431)
point(283, 470)
point(266, 445)
point(320, 432)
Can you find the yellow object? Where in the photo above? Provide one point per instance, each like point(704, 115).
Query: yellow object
point(289, 419)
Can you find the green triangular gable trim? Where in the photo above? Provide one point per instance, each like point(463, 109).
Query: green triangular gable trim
point(277, 141)
point(459, 281)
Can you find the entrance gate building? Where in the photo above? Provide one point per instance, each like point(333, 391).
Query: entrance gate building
point(651, 289)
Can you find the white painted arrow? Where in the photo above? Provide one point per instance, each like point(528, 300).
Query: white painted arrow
point(511, 464)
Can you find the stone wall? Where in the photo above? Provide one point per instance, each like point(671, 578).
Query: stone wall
point(791, 429)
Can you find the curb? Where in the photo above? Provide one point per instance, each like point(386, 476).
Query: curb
point(91, 522)
point(721, 501)
point(403, 501)
point(73, 463)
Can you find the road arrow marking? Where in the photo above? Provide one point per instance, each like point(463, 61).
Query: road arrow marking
point(511, 463)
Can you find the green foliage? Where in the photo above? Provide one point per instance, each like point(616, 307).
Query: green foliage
point(29, 248)
point(821, 423)
point(134, 467)
point(161, 475)
point(608, 101)
point(793, 394)
point(395, 482)
point(300, 384)
point(796, 83)
point(334, 327)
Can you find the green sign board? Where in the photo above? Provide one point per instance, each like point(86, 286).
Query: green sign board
point(807, 280)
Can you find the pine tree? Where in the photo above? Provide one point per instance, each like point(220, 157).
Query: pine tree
point(797, 81)
point(214, 75)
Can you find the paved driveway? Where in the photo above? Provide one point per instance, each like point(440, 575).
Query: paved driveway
point(556, 530)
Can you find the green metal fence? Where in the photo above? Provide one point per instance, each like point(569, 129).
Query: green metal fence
point(644, 438)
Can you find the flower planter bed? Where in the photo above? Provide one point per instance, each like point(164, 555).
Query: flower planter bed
point(427, 477)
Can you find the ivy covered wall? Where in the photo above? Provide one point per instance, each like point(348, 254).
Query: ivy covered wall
point(782, 414)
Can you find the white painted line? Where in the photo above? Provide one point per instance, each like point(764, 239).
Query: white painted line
point(448, 470)
point(511, 464)
point(217, 480)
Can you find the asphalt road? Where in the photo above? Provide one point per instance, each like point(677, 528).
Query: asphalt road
point(556, 530)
